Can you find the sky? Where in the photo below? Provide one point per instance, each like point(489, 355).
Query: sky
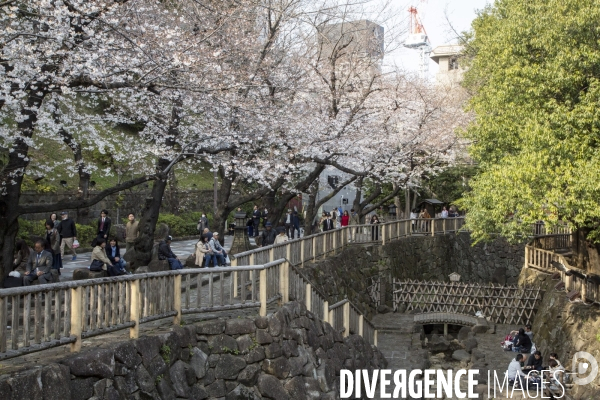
point(432, 13)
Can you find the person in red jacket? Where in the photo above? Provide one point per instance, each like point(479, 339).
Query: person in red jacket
point(345, 218)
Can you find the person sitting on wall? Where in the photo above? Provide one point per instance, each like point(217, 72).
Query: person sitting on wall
point(39, 265)
point(534, 362)
point(165, 253)
point(522, 343)
point(113, 252)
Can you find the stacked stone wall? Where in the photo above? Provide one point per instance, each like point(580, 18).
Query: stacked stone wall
point(289, 355)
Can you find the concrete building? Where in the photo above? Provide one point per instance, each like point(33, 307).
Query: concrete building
point(448, 58)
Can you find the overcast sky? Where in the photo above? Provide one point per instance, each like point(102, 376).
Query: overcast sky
point(432, 12)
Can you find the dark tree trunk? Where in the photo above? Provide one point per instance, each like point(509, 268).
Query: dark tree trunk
point(311, 210)
point(586, 255)
point(84, 176)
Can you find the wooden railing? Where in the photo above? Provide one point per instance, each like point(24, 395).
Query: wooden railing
point(38, 317)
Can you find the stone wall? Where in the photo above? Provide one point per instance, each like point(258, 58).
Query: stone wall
point(289, 355)
point(348, 274)
point(565, 328)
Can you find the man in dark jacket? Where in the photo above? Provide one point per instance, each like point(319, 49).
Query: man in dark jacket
point(68, 233)
point(268, 236)
point(39, 265)
point(296, 224)
point(165, 253)
point(328, 223)
point(255, 220)
point(104, 225)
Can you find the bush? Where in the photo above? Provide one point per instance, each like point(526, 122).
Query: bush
point(180, 226)
point(30, 230)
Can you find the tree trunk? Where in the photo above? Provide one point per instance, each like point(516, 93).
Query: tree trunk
point(9, 226)
point(586, 255)
point(311, 210)
point(407, 203)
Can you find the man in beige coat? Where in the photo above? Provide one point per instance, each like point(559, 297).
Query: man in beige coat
point(131, 232)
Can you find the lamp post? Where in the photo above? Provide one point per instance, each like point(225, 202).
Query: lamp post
point(392, 211)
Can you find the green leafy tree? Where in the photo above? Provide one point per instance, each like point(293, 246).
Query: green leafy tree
point(536, 133)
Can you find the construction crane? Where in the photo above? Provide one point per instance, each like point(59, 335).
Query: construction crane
point(418, 40)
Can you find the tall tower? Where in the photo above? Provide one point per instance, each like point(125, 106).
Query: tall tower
point(418, 40)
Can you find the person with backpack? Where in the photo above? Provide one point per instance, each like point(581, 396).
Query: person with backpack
point(165, 253)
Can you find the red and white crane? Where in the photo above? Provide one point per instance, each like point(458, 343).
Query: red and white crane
point(418, 40)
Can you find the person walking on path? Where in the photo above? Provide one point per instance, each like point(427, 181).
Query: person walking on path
point(289, 225)
point(165, 253)
point(39, 265)
point(104, 224)
point(54, 220)
point(53, 245)
point(68, 233)
point(345, 219)
point(202, 223)
point(132, 231)
point(255, 220)
point(328, 224)
point(295, 224)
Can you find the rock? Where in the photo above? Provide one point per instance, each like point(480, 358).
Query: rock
point(82, 389)
point(249, 375)
point(241, 392)
point(94, 362)
point(239, 326)
point(27, 385)
point(156, 366)
point(177, 373)
point(279, 367)
point(263, 337)
point(190, 262)
point(273, 350)
point(255, 355)
point(438, 343)
point(216, 389)
point(461, 355)
point(383, 309)
point(222, 344)
point(126, 385)
point(480, 328)
point(229, 366)
point(271, 387)
point(477, 355)
point(198, 362)
point(463, 333)
point(85, 273)
point(55, 381)
point(244, 342)
point(158, 266)
point(470, 344)
point(165, 390)
point(261, 322)
point(148, 347)
point(127, 354)
point(326, 376)
point(141, 270)
point(198, 392)
point(296, 388)
point(290, 348)
point(143, 379)
point(6, 390)
point(276, 323)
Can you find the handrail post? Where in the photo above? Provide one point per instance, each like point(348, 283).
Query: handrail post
point(382, 234)
point(177, 299)
point(326, 311)
point(334, 241)
point(134, 308)
point(325, 244)
point(314, 248)
point(455, 223)
point(432, 222)
point(271, 254)
point(288, 252)
point(361, 321)
point(308, 296)
point(263, 292)
point(284, 282)
point(444, 225)
point(302, 252)
point(346, 318)
point(76, 317)
point(526, 257)
point(375, 338)
point(235, 278)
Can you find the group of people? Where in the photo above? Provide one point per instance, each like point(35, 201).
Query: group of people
point(526, 367)
point(208, 249)
point(48, 252)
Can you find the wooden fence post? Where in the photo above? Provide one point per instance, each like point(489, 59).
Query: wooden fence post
point(76, 317)
point(375, 338)
point(432, 222)
point(325, 245)
point(314, 248)
point(360, 325)
point(326, 311)
point(271, 254)
point(177, 299)
point(288, 252)
point(526, 257)
point(284, 282)
point(308, 296)
point(346, 318)
point(263, 292)
point(383, 235)
point(334, 241)
point(444, 225)
point(134, 308)
point(234, 277)
point(302, 252)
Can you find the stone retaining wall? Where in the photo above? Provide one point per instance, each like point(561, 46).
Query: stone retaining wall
point(419, 257)
point(289, 355)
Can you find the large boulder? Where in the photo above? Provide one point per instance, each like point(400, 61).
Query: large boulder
point(94, 362)
point(157, 266)
point(85, 273)
point(438, 344)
